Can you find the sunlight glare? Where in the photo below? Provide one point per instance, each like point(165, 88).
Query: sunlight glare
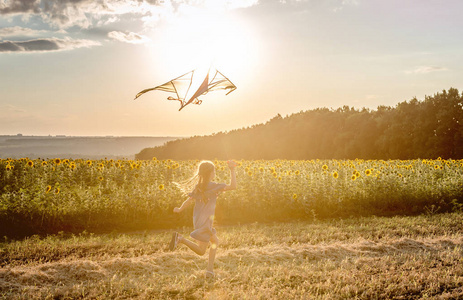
point(206, 38)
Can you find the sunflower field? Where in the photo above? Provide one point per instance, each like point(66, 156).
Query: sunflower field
point(52, 195)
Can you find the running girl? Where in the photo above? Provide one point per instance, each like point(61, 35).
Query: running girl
point(204, 195)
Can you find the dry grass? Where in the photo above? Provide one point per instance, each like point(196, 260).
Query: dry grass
point(368, 258)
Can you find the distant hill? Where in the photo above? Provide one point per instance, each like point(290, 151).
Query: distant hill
point(412, 129)
point(76, 147)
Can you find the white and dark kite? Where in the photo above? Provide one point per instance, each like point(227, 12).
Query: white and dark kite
point(186, 87)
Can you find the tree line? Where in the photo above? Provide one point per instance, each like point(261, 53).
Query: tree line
point(412, 129)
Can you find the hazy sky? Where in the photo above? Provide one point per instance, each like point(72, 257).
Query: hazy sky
point(73, 67)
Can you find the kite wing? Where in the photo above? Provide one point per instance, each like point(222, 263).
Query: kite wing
point(181, 87)
point(220, 82)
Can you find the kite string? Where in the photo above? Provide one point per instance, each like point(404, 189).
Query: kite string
point(227, 153)
point(221, 138)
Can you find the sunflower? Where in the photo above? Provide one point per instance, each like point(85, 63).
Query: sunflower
point(279, 178)
point(298, 172)
point(57, 190)
point(294, 196)
point(368, 172)
point(44, 163)
point(101, 178)
point(353, 177)
point(335, 175)
point(325, 167)
point(57, 161)
point(30, 163)
point(161, 187)
point(89, 163)
point(250, 173)
point(48, 189)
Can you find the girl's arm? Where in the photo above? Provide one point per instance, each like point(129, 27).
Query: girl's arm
point(232, 185)
point(184, 205)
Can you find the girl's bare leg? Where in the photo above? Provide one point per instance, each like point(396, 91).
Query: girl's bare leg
point(199, 248)
point(212, 252)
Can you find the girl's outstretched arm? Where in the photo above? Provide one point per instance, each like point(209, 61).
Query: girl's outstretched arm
point(232, 185)
point(184, 205)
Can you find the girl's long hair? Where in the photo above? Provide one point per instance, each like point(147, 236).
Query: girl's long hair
point(198, 183)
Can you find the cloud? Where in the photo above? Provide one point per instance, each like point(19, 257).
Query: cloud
point(131, 37)
point(19, 31)
point(371, 97)
point(9, 108)
point(19, 6)
point(45, 45)
point(340, 4)
point(426, 69)
point(224, 4)
point(88, 13)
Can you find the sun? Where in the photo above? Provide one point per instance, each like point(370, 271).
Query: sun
point(204, 39)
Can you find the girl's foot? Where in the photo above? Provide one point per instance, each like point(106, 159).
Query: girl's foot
point(210, 274)
point(173, 242)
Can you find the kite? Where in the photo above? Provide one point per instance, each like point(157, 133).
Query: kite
point(184, 86)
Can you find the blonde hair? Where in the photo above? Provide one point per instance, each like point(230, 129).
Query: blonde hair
point(198, 183)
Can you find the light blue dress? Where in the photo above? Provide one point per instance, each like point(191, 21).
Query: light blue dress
point(203, 213)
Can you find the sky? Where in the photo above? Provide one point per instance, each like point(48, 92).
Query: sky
point(73, 67)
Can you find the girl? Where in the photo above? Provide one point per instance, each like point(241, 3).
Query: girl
point(204, 195)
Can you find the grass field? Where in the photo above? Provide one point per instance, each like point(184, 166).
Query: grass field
point(418, 257)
